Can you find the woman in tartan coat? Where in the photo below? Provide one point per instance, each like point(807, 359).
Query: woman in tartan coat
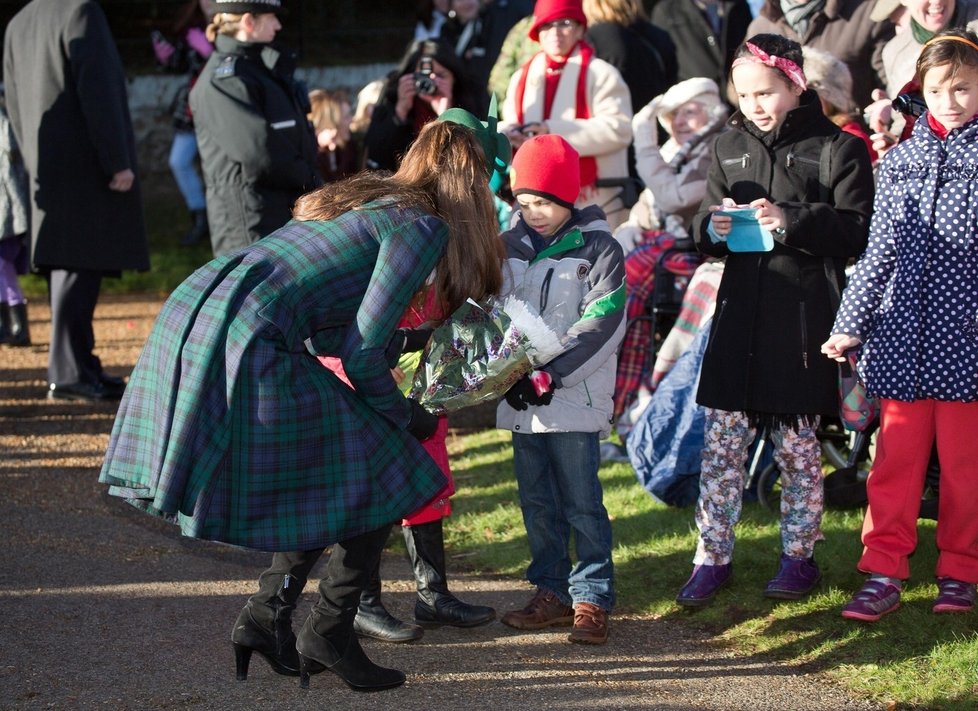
point(231, 427)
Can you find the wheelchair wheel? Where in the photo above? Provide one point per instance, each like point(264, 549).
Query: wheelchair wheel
point(769, 488)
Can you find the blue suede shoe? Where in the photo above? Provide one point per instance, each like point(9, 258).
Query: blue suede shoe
point(796, 578)
point(703, 584)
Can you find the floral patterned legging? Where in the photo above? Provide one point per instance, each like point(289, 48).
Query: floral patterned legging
point(798, 456)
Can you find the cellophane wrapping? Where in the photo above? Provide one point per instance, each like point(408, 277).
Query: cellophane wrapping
point(480, 352)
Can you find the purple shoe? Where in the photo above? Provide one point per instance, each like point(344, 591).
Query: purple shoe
point(703, 584)
point(796, 578)
point(875, 599)
point(954, 596)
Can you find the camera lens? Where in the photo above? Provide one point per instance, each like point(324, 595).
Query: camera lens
point(424, 84)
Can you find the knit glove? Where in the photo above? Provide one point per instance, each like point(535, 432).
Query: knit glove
point(524, 394)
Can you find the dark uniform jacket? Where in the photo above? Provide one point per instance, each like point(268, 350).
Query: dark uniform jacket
point(66, 97)
point(257, 148)
point(700, 51)
point(775, 309)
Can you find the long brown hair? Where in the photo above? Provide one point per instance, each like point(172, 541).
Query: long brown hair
point(444, 174)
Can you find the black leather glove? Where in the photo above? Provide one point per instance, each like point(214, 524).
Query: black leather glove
point(523, 394)
point(422, 423)
point(406, 340)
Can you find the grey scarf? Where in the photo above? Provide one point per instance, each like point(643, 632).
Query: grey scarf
point(799, 14)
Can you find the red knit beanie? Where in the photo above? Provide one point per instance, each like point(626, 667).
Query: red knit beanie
point(549, 167)
point(550, 10)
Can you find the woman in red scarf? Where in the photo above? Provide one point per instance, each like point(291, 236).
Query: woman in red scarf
point(564, 89)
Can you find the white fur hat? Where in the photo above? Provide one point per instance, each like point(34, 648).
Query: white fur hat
point(830, 77)
point(699, 89)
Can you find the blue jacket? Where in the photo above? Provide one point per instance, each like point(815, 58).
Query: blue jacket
point(578, 285)
point(913, 299)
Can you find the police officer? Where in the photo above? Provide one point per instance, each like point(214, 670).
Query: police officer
point(257, 147)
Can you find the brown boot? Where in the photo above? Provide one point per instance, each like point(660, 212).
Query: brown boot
point(590, 624)
point(544, 610)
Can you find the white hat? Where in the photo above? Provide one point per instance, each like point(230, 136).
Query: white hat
point(699, 89)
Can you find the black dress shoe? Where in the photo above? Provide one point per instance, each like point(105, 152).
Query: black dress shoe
point(86, 392)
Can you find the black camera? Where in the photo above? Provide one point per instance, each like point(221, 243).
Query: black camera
point(423, 83)
point(909, 104)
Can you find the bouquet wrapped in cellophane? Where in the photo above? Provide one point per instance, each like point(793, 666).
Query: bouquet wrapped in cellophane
point(480, 352)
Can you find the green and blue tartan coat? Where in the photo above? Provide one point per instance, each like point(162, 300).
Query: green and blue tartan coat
point(231, 427)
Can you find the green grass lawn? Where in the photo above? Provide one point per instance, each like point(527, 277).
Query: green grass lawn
point(912, 657)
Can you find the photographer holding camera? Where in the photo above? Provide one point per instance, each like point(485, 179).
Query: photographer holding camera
point(430, 80)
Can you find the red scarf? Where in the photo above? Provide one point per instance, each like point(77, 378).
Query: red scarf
point(554, 70)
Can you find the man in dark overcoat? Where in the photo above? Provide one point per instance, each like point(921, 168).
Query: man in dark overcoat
point(66, 95)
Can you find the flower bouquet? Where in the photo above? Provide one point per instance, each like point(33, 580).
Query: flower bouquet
point(480, 352)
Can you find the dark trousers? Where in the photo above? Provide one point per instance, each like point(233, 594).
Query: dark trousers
point(73, 295)
point(347, 570)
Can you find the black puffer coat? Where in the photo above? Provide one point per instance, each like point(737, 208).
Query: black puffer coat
point(774, 309)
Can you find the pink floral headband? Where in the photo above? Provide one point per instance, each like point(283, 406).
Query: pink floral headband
point(790, 69)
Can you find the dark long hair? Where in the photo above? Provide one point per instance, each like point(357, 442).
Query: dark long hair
point(444, 174)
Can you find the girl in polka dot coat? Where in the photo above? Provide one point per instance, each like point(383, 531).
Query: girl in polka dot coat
point(913, 304)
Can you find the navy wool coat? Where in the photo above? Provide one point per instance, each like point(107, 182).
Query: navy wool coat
point(774, 309)
point(231, 426)
point(913, 298)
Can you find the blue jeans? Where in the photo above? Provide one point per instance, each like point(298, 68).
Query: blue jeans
point(557, 473)
point(183, 150)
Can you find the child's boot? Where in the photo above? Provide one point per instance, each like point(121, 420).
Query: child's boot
point(19, 334)
point(703, 584)
point(796, 578)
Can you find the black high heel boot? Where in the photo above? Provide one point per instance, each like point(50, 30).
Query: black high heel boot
point(373, 620)
point(436, 605)
point(265, 623)
point(326, 640)
point(344, 657)
point(271, 638)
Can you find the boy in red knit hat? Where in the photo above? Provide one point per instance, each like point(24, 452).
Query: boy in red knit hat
point(563, 262)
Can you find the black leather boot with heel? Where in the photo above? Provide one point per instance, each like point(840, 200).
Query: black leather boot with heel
point(373, 620)
point(14, 329)
point(436, 605)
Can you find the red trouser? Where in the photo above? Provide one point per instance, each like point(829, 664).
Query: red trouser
point(896, 483)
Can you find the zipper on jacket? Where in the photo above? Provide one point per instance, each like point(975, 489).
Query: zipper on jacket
point(545, 289)
point(791, 159)
point(716, 323)
point(744, 161)
point(804, 335)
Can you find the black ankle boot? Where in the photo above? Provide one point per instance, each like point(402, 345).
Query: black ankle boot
point(373, 619)
point(199, 231)
point(436, 605)
point(342, 655)
point(268, 631)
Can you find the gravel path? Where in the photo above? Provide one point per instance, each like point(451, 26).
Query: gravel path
point(105, 607)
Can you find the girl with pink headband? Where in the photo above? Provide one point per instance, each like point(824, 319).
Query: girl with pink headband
point(805, 190)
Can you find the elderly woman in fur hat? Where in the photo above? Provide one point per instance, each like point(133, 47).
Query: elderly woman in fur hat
point(674, 174)
point(829, 76)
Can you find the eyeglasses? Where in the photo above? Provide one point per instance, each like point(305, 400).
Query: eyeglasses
point(562, 25)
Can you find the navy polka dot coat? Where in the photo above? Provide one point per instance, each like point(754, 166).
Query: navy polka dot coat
point(913, 299)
